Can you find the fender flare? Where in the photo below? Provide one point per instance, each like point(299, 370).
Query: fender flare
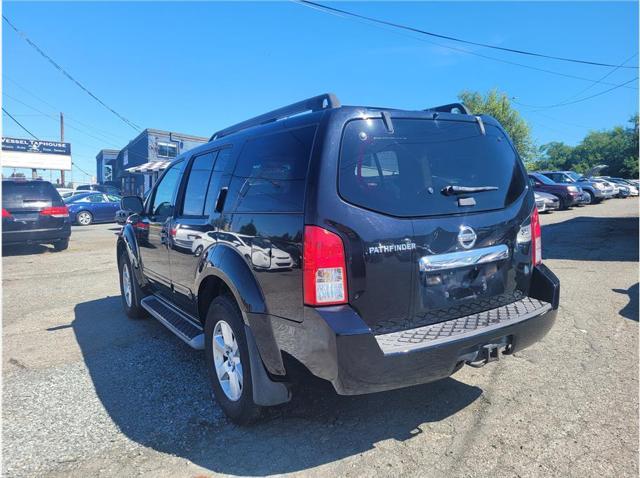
point(231, 268)
point(128, 240)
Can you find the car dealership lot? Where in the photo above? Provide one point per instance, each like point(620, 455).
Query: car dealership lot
point(88, 391)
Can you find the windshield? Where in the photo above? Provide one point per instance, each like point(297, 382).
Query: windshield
point(576, 176)
point(542, 178)
point(404, 172)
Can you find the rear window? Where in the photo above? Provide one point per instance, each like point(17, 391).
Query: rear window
point(403, 173)
point(27, 193)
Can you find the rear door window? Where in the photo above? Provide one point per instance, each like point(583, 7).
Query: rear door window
point(403, 173)
point(16, 195)
point(195, 194)
point(270, 175)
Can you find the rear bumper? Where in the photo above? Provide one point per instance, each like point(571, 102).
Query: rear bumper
point(35, 236)
point(335, 344)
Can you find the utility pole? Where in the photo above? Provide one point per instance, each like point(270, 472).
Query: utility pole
point(62, 141)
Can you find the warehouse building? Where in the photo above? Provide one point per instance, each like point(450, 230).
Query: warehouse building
point(136, 167)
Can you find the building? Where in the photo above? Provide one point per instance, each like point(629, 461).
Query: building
point(136, 167)
point(104, 159)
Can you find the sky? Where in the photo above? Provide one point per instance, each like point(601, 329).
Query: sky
point(197, 67)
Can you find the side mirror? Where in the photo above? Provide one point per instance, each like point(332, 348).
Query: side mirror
point(133, 204)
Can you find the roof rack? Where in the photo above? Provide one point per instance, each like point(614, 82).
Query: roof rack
point(451, 108)
point(316, 103)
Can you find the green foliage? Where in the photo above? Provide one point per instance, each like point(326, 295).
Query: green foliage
point(497, 104)
point(617, 148)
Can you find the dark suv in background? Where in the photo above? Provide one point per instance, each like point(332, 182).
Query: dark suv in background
point(594, 189)
point(379, 248)
point(568, 194)
point(33, 213)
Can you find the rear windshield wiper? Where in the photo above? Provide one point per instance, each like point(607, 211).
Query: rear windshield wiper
point(451, 190)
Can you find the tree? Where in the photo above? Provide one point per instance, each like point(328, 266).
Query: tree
point(497, 104)
point(616, 148)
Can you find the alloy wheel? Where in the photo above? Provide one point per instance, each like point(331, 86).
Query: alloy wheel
point(84, 218)
point(126, 284)
point(226, 359)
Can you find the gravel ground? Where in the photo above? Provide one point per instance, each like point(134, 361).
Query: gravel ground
point(88, 392)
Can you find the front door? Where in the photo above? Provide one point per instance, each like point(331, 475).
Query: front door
point(156, 227)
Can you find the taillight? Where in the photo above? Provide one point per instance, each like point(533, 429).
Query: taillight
point(324, 268)
point(5, 213)
point(536, 237)
point(56, 211)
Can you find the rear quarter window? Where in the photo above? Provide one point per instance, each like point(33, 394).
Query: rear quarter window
point(403, 173)
point(270, 174)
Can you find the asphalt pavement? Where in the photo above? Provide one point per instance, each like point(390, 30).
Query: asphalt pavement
point(89, 392)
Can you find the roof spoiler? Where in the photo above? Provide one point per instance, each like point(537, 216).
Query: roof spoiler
point(316, 103)
point(456, 108)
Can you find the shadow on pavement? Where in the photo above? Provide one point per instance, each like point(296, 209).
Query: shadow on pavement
point(25, 250)
point(155, 389)
point(592, 239)
point(630, 311)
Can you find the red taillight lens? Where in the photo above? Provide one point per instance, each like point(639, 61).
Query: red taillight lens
point(56, 211)
point(324, 268)
point(536, 238)
point(5, 213)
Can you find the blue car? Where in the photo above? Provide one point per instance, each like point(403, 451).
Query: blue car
point(85, 209)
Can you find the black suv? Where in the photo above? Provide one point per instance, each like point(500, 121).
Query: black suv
point(33, 213)
point(380, 248)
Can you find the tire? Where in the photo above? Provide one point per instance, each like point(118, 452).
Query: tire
point(84, 218)
point(230, 353)
point(133, 295)
point(61, 245)
point(563, 204)
point(592, 197)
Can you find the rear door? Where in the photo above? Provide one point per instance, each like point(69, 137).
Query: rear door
point(195, 222)
point(25, 200)
point(423, 267)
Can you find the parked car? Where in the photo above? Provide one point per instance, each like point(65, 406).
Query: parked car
point(85, 209)
point(632, 188)
point(594, 190)
point(103, 188)
point(33, 213)
point(414, 238)
point(546, 202)
point(568, 194)
point(611, 189)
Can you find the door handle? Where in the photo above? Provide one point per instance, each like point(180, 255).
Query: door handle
point(222, 196)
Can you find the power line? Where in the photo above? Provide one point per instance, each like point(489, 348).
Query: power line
point(56, 119)
point(480, 55)
point(566, 103)
point(68, 117)
point(446, 37)
point(68, 75)
point(584, 90)
point(18, 123)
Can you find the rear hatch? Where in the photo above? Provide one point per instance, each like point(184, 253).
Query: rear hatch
point(441, 252)
point(25, 201)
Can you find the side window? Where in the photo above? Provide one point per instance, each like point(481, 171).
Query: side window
point(162, 202)
point(271, 172)
point(96, 198)
point(113, 198)
point(197, 185)
point(224, 161)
